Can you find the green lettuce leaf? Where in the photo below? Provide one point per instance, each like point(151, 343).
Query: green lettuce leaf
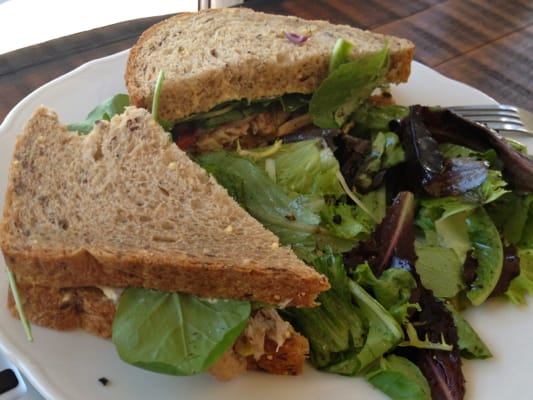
point(295, 193)
point(347, 221)
point(292, 217)
point(104, 111)
point(392, 289)
point(399, 378)
point(370, 119)
point(522, 285)
point(443, 219)
point(350, 329)
point(488, 251)
point(346, 88)
point(307, 167)
point(385, 153)
point(175, 333)
point(440, 269)
point(335, 329)
point(351, 222)
point(470, 344)
point(384, 332)
point(513, 215)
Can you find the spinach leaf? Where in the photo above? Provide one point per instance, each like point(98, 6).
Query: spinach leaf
point(399, 378)
point(346, 88)
point(175, 333)
point(371, 119)
point(488, 251)
point(384, 332)
point(513, 215)
point(470, 344)
point(440, 269)
point(522, 285)
point(104, 111)
point(286, 214)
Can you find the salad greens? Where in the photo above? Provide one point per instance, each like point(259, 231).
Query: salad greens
point(413, 215)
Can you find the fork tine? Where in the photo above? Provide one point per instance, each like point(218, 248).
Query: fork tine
point(501, 117)
point(493, 118)
point(507, 127)
point(484, 111)
point(487, 107)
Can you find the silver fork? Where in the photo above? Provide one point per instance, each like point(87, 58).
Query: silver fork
point(500, 117)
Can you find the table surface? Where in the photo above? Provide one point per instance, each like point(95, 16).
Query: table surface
point(486, 44)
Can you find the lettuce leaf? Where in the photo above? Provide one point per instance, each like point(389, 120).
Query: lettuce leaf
point(488, 251)
point(386, 152)
point(371, 119)
point(350, 329)
point(399, 378)
point(104, 111)
point(306, 167)
point(346, 88)
point(292, 217)
point(440, 269)
point(470, 344)
point(522, 285)
point(175, 333)
point(392, 289)
point(335, 329)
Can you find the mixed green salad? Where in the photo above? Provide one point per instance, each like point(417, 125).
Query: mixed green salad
point(412, 213)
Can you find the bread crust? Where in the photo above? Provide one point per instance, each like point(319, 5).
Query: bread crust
point(66, 309)
point(206, 277)
point(123, 206)
point(219, 55)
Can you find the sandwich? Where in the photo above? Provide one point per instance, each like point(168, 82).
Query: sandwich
point(240, 76)
point(94, 225)
point(124, 207)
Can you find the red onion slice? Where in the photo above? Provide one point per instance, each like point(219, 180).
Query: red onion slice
point(296, 38)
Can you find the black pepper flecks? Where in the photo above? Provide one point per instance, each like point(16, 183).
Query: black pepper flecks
point(104, 381)
point(337, 219)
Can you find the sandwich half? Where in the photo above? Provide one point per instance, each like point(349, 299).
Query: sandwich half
point(236, 75)
point(125, 207)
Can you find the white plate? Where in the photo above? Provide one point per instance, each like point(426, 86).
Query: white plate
point(67, 365)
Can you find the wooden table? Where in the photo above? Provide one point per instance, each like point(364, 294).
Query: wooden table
point(487, 44)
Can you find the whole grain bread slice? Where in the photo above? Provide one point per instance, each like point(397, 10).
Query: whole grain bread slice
point(219, 55)
point(124, 206)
